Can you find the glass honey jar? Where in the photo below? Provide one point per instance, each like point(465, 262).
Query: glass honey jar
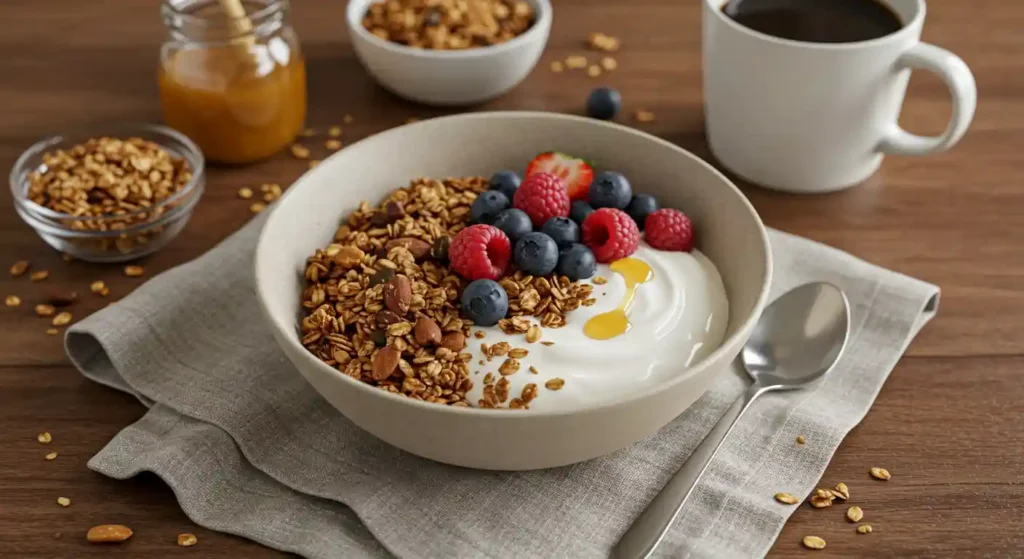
point(234, 85)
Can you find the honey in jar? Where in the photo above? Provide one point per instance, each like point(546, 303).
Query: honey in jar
point(235, 87)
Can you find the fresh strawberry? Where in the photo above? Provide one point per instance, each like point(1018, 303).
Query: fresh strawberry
point(574, 172)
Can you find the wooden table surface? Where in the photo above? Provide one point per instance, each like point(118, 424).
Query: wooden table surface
point(949, 423)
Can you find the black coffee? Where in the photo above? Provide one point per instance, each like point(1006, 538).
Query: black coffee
point(816, 21)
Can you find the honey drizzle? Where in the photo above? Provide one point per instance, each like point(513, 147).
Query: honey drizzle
point(608, 325)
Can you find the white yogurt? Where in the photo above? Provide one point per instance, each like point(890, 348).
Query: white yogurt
point(677, 317)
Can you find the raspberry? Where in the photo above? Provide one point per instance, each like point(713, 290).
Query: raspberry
point(611, 234)
point(542, 196)
point(669, 229)
point(480, 252)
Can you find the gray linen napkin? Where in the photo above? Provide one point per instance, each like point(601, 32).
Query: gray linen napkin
point(250, 449)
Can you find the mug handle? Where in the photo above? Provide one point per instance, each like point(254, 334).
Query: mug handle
point(958, 77)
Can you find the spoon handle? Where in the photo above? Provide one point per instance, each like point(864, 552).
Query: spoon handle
point(650, 527)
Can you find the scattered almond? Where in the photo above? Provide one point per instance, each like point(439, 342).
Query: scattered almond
point(454, 341)
point(854, 514)
point(385, 362)
point(427, 332)
point(108, 533)
point(64, 501)
point(44, 438)
point(40, 275)
point(786, 498)
point(12, 301)
point(187, 540)
point(397, 294)
point(813, 542)
point(864, 529)
point(45, 310)
point(19, 268)
point(133, 271)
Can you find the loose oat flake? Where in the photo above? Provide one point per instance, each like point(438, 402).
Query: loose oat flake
point(557, 66)
point(600, 280)
point(245, 193)
point(576, 62)
point(12, 301)
point(864, 529)
point(45, 310)
point(841, 491)
point(257, 207)
point(40, 275)
point(813, 542)
point(800, 439)
point(133, 271)
point(300, 151)
point(786, 498)
point(854, 514)
point(44, 437)
point(108, 533)
point(333, 145)
point(97, 287)
point(51, 456)
point(334, 131)
point(19, 268)
point(52, 331)
point(64, 501)
point(609, 63)
point(554, 384)
point(187, 540)
point(62, 319)
point(593, 70)
point(880, 473)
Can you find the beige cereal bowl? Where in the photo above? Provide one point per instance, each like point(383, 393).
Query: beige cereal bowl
point(730, 233)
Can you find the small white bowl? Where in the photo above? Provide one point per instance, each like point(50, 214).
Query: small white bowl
point(730, 234)
point(449, 77)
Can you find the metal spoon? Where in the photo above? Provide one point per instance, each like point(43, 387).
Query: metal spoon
point(797, 340)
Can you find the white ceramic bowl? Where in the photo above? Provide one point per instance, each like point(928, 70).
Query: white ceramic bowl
point(449, 78)
point(729, 232)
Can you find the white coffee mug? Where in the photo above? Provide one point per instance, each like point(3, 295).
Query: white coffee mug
point(819, 117)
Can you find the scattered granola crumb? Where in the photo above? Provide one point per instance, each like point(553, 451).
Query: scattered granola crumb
point(609, 63)
point(800, 439)
point(64, 501)
point(347, 119)
point(518, 352)
point(599, 41)
point(12, 301)
point(245, 193)
point(864, 529)
point(187, 540)
point(334, 131)
point(62, 319)
point(593, 70)
point(813, 542)
point(509, 367)
point(854, 514)
point(880, 473)
point(841, 491)
point(19, 268)
point(822, 498)
point(52, 331)
point(51, 456)
point(44, 437)
point(45, 310)
point(533, 334)
point(643, 115)
point(333, 145)
point(786, 498)
point(479, 334)
point(576, 62)
point(489, 378)
point(554, 384)
point(257, 207)
point(557, 66)
point(313, 163)
point(300, 151)
point(600, 280)
point(97, 287)
point(108, 533)
point(40, 275)
point(133, 271)
point(534, 370)
point(308, 133)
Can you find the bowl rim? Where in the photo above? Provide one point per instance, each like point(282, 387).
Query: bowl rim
point(356, 8)
point(193, 155)
point(281, 331)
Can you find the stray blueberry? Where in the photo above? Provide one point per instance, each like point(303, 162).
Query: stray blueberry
point(487, 206)
point(514, 222)
point(603, 103)
point(579, 211)
point(577, 262)
point(563, 230)
point(506, 182)
point(485, 302)
point(610, 190)
point(640, 206)
point(536, 254)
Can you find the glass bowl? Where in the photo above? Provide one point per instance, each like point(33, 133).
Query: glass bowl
point(110, 237)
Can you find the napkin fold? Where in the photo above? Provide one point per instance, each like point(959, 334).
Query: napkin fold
point(249, 448)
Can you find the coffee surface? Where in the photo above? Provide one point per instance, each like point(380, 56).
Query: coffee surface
point(816, 21)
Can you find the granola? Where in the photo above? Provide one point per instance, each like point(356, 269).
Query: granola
point(448, 24)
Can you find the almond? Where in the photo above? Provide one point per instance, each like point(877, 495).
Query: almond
point(427, 331)
point(349, 256)
point(385, 362)
point(417, 247)
point(454, 341)
point(108, 533)
point(398, 295)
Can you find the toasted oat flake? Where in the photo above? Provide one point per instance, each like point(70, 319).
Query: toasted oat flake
point(12, 301)
point(854, 514)
point(300, 151)
point(187, 540)
point(547, 343)
point(509, 367)
point(257, 207)
point(534, 370)
point(841, 491)
point(44, 437)
point(557, 66)
point(800, 439)
point(786, 498)
point(864, 529)
point(19, 268)
point(880, 473)
point(52, 331)
point(245, 193)
point(45, 310)
point(108, 533)
point(609, 63)
point(554, 384)
point(500, 349)
point(599, 41)
point(333, 145)
point(533, 334)
point(576, 62)
point(51, 456)
point(479, 334)
point(64, 501)
point(97, 286)
point(600, 280)
point(334, 131)
point(518, 353)
point(62, 319)
point(39, 275)
point(643, 115)
point(593, 70)
point(133, 271)
point(813, 542)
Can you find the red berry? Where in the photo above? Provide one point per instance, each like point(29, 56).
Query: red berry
point(480, 252)
point(611, 234)
point(575, 173)
point(669, 229)
point(542, 196)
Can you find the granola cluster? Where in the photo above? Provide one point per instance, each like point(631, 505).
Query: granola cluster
point(381, 305)
point(448, 24)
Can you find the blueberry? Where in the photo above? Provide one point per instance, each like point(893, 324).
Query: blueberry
point(579, 211)
point(603, 103)
point(506, 182)
point(536, 254)
point(515, 223)
point(640, 206)
point(563, 230)
point(485, 302)
point(487, 206)
point(610, 190)
point(577, 262)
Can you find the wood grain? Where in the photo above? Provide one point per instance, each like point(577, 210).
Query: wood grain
point(947, 424)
